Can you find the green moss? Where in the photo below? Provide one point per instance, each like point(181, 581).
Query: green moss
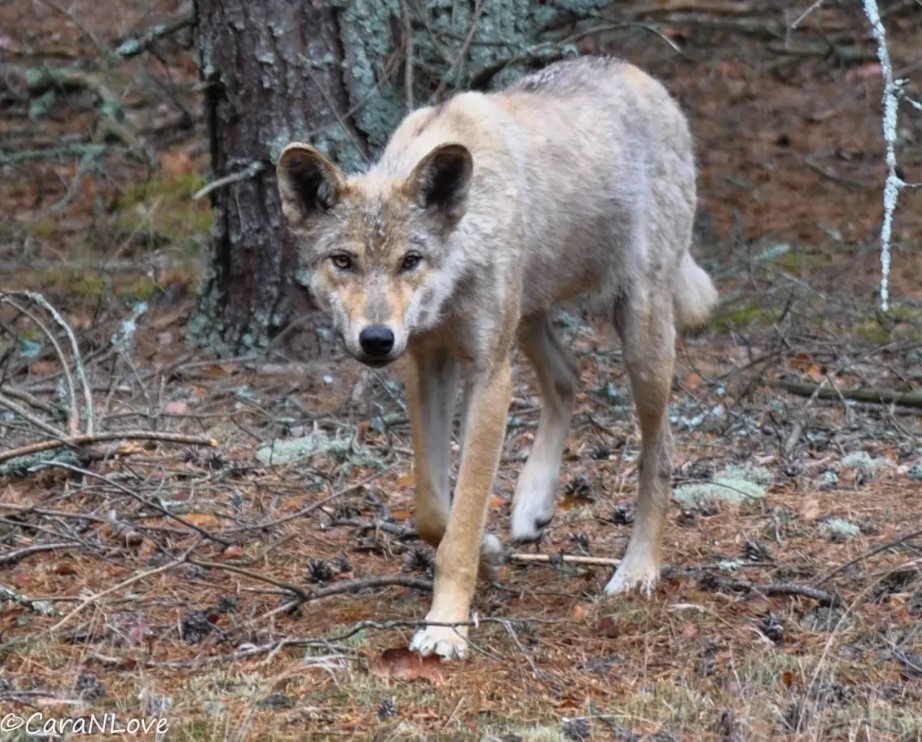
point(137, 288)
point(746, 316)
point(901, 323)
point(161, 211)
point(799, 263)
point(181, 187)
point(43, 228)
point(81, 284)
point(873, 332)
point(88, 285)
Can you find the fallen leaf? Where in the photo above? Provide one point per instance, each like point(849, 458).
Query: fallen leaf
point(148, 549)
point(402, 664)
point(694, 381)
point(609, 627)
point(572, 501)
point(204, 520)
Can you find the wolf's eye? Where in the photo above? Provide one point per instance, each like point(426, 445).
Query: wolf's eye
point(409, 262)
point(342, 261)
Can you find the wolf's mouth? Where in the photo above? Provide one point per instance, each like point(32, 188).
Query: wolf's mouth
point(375, 362)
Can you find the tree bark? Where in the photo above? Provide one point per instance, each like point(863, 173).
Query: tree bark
point(261, 92)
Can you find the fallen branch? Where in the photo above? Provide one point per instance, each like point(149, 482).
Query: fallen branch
point(912, 666)
point(139, 43)
point(77, 441)
point(52, 153)
point(693, 6)
point(307, 510)
point(306, 596)
point(399, 530)
point(73, 422)
point(24, 414)
point(557, 559)
point(810, 160)
point(877, 396)
point(250, 171)
point(11, 557)
point(781, 588)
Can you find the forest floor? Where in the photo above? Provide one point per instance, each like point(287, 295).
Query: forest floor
point(242, 595)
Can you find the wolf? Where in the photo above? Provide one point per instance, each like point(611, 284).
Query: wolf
point(482, 214)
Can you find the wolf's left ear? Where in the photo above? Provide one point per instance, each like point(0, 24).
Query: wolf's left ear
point(309, 184)
point(441, 180)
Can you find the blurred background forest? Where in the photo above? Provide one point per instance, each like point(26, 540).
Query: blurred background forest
point(205, 512)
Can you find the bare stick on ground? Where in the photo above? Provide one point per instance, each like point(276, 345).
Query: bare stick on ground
point(878, 396)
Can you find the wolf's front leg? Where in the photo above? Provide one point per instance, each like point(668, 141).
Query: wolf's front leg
point(431, 388)
point(458, 555)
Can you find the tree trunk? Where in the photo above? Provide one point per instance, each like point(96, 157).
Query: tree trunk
point(261, 92)
point(338, 74)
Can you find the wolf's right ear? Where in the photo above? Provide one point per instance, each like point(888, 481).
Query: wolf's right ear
point(441, 180)
point(309, 184)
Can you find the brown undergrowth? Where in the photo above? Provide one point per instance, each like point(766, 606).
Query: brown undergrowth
point(239, 594)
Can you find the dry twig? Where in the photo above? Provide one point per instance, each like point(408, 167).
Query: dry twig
point(77, 441)
point(868, 554)
point(564, 559)
point(878, 396)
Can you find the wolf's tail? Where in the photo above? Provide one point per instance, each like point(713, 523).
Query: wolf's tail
point(695, 296)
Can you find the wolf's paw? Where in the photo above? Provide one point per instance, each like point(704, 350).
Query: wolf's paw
point(633, 575)
point(529, 517)
point(449, 642)
point(533, 504)
point(491, 557)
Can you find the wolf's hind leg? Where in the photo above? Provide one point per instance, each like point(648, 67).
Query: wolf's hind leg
point(645, 323)
point(533, 506)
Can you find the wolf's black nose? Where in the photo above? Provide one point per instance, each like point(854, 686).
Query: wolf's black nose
point(376, 340)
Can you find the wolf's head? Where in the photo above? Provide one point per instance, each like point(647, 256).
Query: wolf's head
point(379, 250)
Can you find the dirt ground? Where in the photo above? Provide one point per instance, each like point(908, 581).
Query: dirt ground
point(240, 595)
